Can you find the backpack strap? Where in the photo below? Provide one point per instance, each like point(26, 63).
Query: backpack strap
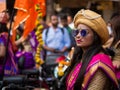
point(46, 33)
point(62, 30)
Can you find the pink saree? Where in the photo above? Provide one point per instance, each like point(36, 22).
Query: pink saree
point(99, 61)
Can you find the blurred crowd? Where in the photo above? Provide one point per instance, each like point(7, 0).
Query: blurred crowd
point(61, 39)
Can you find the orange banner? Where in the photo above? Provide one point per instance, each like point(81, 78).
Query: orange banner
point(25, 13)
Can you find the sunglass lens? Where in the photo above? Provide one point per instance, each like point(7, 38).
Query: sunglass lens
point(83, 33)
point(75, 32)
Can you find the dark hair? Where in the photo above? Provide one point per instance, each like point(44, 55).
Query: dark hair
point(54, 14)
point(6, 11)
point(63, 16)
point(117, 13)
point(115, 25)
point(95, 48)
point(3, 27)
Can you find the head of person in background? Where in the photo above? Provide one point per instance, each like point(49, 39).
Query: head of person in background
point(70, 21)
point(4, 18)
point(113, 29)
point(69, 18)
point(54, 20)
point(115, 43)
point(115, 26)
point(63, 20)
point(115, 14)
point(90, 35)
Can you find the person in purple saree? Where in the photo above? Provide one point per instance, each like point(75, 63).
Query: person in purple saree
point(25, 56)
point(91, 67)
point(10, 67)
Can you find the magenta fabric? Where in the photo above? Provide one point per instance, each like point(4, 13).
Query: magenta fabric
point(29, 61)
point(70, 83)
point(117, 71)
point(96, 59)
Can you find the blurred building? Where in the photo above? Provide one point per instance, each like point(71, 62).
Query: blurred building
point(103, 7)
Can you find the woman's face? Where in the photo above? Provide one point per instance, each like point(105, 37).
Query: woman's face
point(84, 36)
point(4, 17)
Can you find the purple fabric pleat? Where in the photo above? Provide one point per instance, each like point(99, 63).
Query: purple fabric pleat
point(10, 66)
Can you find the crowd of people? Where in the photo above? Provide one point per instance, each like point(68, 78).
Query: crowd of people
point(95, 61)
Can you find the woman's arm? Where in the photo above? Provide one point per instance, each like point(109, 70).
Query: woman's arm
point(2, 50)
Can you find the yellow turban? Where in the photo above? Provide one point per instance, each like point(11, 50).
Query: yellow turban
point(94, 21)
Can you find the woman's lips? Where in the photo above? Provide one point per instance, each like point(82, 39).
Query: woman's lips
point(78, 41)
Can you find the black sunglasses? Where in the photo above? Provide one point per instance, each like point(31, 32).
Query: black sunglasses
point(83, 32)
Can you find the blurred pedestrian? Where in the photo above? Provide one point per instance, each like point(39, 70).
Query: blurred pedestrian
point(56, 41)
point(114, 45)
point(10, 67)
point(70, 21)
point(25, 56)
point(64, 23)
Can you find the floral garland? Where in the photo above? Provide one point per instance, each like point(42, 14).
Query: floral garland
point(62, 65)
point(38, 33)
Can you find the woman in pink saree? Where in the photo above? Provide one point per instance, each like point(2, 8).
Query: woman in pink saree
point(91, 67)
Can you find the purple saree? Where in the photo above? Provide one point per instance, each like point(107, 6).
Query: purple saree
point(28, 59)
point(10, 66)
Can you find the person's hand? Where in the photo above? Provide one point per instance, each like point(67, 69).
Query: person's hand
point(19, 41)
point(15, 48)
point(56, 51)
point(116, 64)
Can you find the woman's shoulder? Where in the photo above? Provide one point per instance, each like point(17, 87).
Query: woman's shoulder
point(101, 60)
point(101, 57)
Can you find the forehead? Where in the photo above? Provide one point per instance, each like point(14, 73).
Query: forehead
point(54, 17)
point(69, 17)
point(83, 26)
point(4, 14)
